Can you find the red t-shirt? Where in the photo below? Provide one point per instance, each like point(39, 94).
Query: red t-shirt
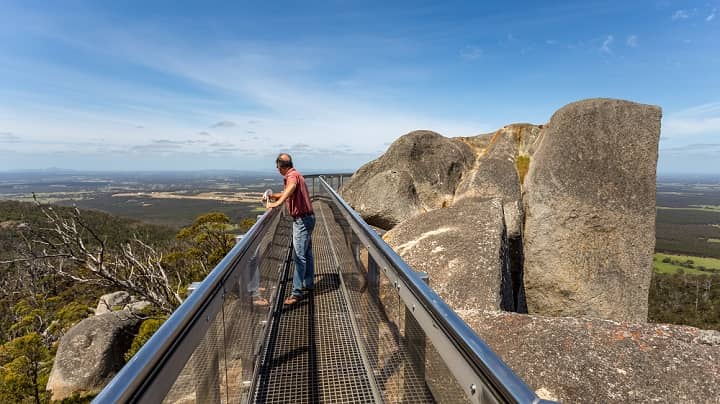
point(298, 203)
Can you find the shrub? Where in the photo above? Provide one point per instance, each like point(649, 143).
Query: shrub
point(147, 329)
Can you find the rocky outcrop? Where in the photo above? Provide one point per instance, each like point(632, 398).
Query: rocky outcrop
point(585, 213)
point(418, 173)
point(496, 172)
point(579, 226)
point(590, 211)
point(138, 306)
point(494, 175)
point(112, 301)
point(582, 360)
point(470, 272)
point(120, 301)
point(91, 353)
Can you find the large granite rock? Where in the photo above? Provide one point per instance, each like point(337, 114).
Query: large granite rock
point(463, 250)
point(582, 360)
point(91, 353)
point(590, 211)
point(418, 173)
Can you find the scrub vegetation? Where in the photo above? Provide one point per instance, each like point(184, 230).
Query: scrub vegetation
point(48, 281)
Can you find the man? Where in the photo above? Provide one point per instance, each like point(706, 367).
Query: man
point(297, 199)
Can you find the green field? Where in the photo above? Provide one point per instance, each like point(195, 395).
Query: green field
point(687, 264)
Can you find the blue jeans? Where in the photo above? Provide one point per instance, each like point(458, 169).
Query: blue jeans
point(302, 249)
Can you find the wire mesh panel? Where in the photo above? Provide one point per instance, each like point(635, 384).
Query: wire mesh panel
point(378, 313)
point(199, 379)
point(247, 310)
point(220, 369)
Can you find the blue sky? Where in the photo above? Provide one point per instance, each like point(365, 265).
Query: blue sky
point(172, 85)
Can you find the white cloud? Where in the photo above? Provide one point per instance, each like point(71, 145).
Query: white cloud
point(221, 144)
point(223, 124)
point(551, 42)
point(605, 48)
point(693, 158)
point(701, 147)
point(471, 53)
point(711, 16)
point(632, 41)
point(701, 120)
point(285, 104)
point(9, 137)
point(680, 15)
point(157, 146)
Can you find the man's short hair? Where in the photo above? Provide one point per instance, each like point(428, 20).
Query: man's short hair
point(283, 162)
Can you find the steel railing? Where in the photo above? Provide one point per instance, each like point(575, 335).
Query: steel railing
point(209, 329)
point(482, 375)
point(151, 373)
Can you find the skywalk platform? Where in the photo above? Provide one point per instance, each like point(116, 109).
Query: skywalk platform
point(371, 331)
point(314, 355)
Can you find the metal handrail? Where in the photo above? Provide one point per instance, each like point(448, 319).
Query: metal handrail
point(327, 175)
point(161, 359)
point(501, 382)
point(313, 177)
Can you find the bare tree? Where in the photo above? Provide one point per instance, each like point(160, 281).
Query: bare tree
point(69, 247)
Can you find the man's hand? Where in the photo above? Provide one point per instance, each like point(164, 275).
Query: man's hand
point(281, 198)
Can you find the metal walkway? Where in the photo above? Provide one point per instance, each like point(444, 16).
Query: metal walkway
point(372, 330)
point(312, 354)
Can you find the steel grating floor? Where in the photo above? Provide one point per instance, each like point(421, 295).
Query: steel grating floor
point(380, 323)
point(312, 354)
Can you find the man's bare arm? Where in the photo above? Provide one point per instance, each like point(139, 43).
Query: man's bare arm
point(289, 189)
